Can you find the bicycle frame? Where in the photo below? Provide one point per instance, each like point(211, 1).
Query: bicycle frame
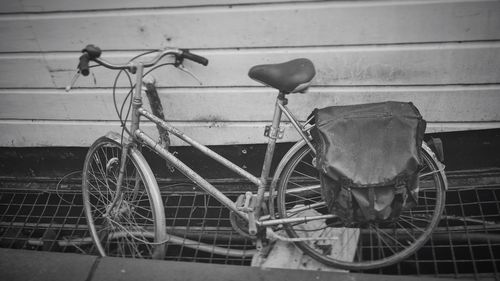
point(261, 183)
point(297, 191)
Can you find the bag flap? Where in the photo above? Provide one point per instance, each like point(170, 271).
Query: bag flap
point(368, 144)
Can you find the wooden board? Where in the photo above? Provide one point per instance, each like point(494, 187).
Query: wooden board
point(19, 6)
point(471, 103)
point(21, 133)
point(443, 55)
point(249, 26)
point(427, 64)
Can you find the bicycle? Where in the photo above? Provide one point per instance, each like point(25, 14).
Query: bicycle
point(125, 212)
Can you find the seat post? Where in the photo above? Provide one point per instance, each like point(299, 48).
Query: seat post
point(273, 133)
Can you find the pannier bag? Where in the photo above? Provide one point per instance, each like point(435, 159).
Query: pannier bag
point(368, 157)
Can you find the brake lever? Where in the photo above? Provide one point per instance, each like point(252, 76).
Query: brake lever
point(73, 81)
point(181, 67)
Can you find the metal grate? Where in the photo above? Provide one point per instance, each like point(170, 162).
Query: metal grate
point(467, 241)
point(199, 217)
point(39, 219)
point(54, 221)
point(465, 246)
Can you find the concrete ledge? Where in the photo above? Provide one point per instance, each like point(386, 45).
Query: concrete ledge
point(110, 269)
point(33, 265)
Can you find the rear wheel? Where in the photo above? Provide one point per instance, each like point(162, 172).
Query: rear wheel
point(357, 246)
point(125, 223)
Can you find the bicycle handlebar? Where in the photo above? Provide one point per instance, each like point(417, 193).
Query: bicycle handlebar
point(92, 53)
point(194, 57)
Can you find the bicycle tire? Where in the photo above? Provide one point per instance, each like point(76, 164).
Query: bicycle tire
point(135, 227)
point(299, 172)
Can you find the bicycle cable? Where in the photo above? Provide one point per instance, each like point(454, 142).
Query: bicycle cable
point(123, 121)
point(120, 112)
point(158, 66)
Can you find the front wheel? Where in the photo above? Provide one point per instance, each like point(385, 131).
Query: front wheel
point(124, 222)
point(358, 246)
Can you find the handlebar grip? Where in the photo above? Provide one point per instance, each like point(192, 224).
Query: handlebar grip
point(92, 51)
point(83, 65)
point(196, 58)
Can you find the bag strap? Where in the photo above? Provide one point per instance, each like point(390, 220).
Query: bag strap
point(371, 202)
point(346, 184)
point(400, 186)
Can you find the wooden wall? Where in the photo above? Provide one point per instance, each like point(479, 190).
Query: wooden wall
point(442, 55)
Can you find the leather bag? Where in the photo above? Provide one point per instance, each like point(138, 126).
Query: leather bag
point(368, 156)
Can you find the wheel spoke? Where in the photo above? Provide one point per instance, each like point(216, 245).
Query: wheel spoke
point(122, 232)
point(379, 243)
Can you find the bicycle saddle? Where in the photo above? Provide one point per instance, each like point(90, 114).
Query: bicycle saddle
point(288, 77)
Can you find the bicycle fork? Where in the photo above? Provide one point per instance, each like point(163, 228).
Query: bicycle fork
point(119, 183)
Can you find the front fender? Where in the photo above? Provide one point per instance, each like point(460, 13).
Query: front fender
point(116, 137)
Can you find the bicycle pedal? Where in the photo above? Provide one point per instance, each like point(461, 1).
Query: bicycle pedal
point(246, 202)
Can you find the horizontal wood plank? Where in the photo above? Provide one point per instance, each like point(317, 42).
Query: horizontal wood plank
point(425, 64)
point(442, 55)
point(47, 133)
point(437, 104)
point(245, 26)
point(33, 6)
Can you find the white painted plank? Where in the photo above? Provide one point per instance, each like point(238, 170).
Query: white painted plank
point(423, 64)
point(11, 6)
point(20, 6)
point(54, 133)
point(26, 133)
point(28, 70)
point(353, 44)
point(437, 104)
point(296, 24)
